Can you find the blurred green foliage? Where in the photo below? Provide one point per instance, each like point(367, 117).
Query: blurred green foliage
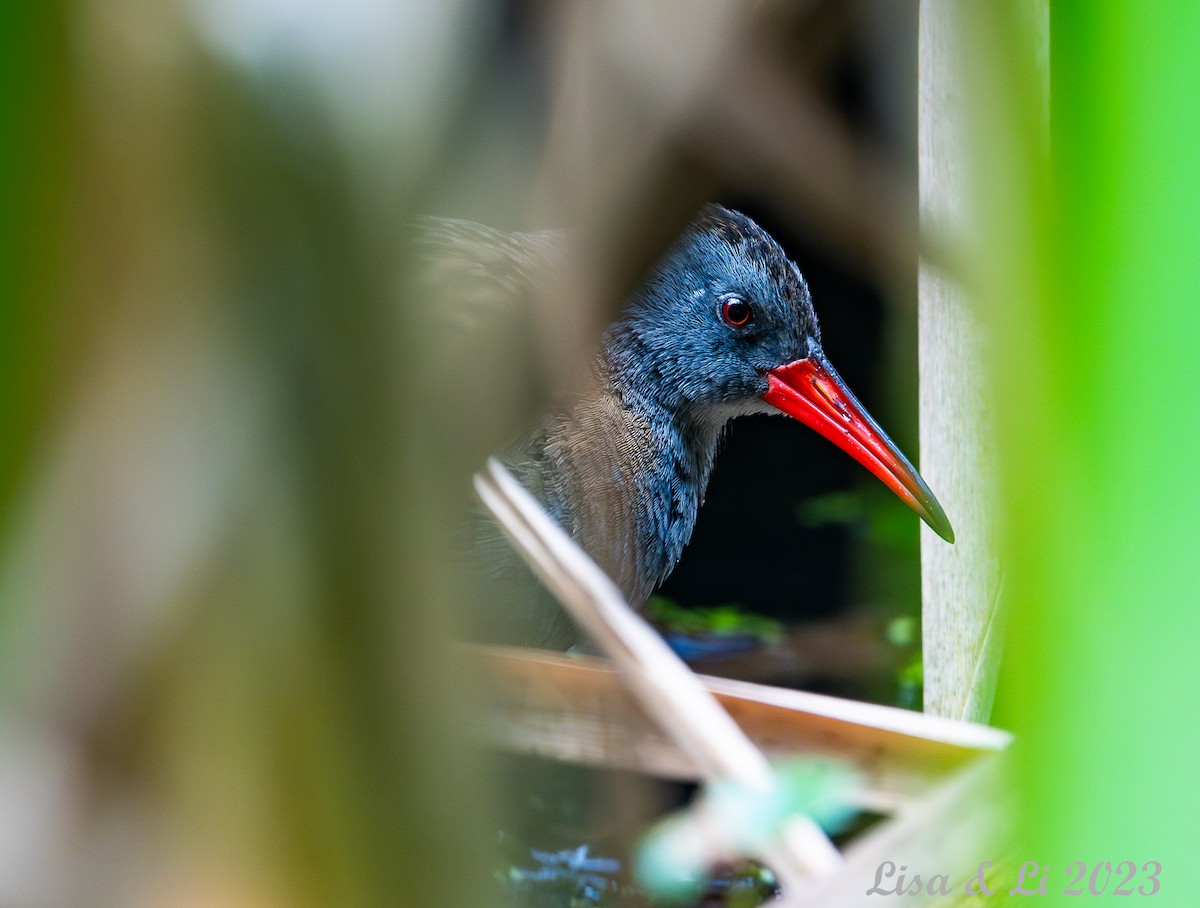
point(732, 820)
point(717, 620)
point(37, 142)
point(1095, 319)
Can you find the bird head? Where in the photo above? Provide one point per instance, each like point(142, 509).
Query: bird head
point(725, 326)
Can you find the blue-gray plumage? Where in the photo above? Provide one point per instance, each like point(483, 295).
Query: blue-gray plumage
point(723, 327)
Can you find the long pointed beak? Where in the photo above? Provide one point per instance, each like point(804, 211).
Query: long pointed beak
point(812, 392)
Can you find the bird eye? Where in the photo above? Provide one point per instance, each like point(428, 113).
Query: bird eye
point(736, 311)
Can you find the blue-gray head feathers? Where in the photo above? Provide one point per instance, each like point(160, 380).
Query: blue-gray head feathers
point(723, 306)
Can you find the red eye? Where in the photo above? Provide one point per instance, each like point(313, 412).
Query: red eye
point(736, 311)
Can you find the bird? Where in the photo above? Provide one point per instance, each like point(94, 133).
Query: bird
point(722, 327)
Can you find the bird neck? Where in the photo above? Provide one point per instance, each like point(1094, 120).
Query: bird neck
point(625, 471)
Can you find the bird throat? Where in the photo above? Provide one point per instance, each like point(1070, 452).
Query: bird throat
point(625, 475)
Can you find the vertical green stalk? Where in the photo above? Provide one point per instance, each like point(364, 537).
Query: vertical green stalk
point(1101, 438)
point(35, 126)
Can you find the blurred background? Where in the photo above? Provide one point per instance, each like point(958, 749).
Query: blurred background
point(239, 426)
